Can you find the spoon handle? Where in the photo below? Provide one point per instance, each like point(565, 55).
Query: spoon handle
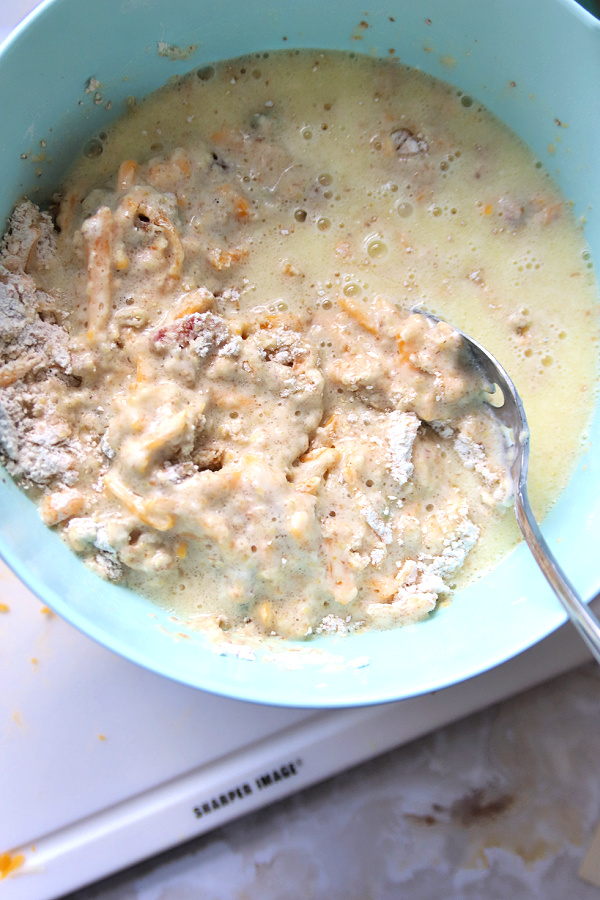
point(583, 618)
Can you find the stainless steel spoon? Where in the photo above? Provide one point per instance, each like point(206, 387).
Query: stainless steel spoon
point(510, 412)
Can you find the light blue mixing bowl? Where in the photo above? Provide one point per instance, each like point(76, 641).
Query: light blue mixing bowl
point(550, 50)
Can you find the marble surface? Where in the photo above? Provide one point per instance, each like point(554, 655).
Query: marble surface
point(500, 805)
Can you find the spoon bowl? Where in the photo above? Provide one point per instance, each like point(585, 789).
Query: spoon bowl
point(509, 410)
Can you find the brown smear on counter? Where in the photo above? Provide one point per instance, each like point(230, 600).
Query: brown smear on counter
point(478, 806)
point(481, 813)
point(9, 863)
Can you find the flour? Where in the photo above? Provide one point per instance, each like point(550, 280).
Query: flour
point(9, 438)
point(374, 520)
point(499, 487)
point(34, 352)
point(377, 556)
point(204, 333)
point(460, 542)
point(29, 231)
point(331, 624)
point(473, 457)
point(402, 430)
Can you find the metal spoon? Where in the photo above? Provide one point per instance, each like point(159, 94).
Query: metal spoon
point(510, 412)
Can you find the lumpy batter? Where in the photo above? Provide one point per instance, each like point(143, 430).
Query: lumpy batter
point(212, 383)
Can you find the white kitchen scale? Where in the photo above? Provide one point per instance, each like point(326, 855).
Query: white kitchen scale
point(103, 764)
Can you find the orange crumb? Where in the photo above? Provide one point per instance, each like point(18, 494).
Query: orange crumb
point(242, 207)
point(101, 737)
point(224, 259)
point(4, 608)
point(46, 611)
point(9, 863)
point(181, 550)
point(488, 209)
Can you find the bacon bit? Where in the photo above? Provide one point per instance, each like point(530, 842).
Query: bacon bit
point(224, 259)
point(9, 863)
point(343, 249)
point(183, 330)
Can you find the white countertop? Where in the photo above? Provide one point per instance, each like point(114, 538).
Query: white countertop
point(500, 805)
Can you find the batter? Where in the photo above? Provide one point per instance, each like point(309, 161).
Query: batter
point(211, 381)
